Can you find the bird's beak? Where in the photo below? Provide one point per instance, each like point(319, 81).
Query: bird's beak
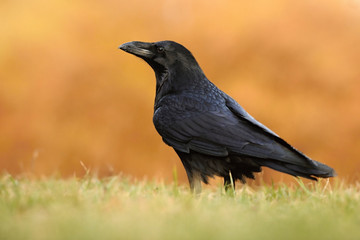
point(140, 49)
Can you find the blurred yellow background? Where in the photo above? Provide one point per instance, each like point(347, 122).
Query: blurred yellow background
point(68, 95)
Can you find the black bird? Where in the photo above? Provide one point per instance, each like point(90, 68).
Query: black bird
point(211, 133)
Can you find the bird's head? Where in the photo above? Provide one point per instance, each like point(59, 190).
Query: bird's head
point(175, 67)
point(161, 56)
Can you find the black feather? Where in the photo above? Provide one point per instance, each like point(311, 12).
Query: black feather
point(210, 131)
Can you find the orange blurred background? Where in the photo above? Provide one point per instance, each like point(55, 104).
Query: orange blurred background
point(68, 95)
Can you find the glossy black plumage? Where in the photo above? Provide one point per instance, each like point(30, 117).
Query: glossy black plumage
point(211, 132)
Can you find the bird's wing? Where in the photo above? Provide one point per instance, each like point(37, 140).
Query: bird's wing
point(221, 129)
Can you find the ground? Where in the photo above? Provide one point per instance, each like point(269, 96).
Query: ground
point(119, 208)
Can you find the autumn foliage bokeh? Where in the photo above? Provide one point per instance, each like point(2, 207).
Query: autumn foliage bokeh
point(68, 95)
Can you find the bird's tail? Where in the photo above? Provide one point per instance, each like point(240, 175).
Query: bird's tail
point(311, 171)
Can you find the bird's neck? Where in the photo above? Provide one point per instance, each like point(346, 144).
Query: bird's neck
point(177, 80)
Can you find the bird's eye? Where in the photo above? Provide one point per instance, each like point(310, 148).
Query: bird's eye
point(160, 49)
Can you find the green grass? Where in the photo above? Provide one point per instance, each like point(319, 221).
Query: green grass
point(115, 208)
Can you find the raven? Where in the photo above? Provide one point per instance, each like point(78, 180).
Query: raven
point(211, 133)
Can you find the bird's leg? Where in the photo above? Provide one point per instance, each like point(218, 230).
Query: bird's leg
point(229, 182)
point(194, 181)
point(194, 176)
